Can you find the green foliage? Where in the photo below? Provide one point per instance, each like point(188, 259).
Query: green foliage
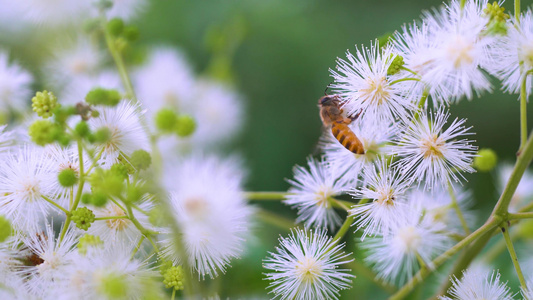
point(5, 229)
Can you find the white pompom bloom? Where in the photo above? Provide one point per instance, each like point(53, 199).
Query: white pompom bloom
point(126, 9)
point(478, 285)
point(52, 258)
point(121, 229)
point(396, 257)
point(24, 181)
point(385, 188)
point(12, 282)
point(89, 276)
point(448, 51)
point(75, 58)
point(306, 266)
point(218, 113)
point(52, 12)
point(513, 54)
point(376, 139)
point(77, 88)
point(311, 191)
point(7, 140)
point(127, 132)
point(434, 155)
point(365, 87)
point(15, 92)
point(175, 92)
point(528, 292)
point(207, 201)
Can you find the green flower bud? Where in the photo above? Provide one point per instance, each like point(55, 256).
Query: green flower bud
point(174, 278)
point(133, 193)
point(495, 12)
point(165, 120)
point(44, 104)
point(86, 198)
point(82, 129)
point(5, 229)
point(101, 96)
point(87, 241)
point(140, 159)
point(61, 114)
point(486, 160)
point(67, 177)
point(83, 218)
point(98, 199)
point(395, 65)
point(42, 132)
point(115, 26)
point(113, 286)
point(102, 135)
point(119, 170)
point(131, 33)
point(125, 162)
point(185, 125)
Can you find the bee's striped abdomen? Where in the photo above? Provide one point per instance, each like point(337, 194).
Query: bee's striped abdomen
point(347, 138)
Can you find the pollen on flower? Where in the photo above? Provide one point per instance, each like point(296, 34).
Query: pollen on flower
point(196, 206)
point(117, 224)
point(459, 51)
point(322, 196)
point(377, 90)
point(308, 269)
point(410, 238)
point(432, 147)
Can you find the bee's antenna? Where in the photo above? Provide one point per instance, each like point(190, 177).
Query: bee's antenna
point(326, 90)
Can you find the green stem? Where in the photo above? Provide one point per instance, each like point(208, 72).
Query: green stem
point(344, 228)
point(523, 112)
point(141, 228)
point(517, 10)
point(499, 247)
point(512, 253)
point(457, 209)
point(265, 195)
point(78, 192)
point(424, 272)
point(527, 215)
point(345, 205)
point(137, 247)
point(55, 204)
point(409, 70)
point(404, 79)
point(173, 294)
point(275, 219)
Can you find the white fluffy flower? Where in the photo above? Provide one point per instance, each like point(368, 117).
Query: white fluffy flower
point(207, 201)
point(479, 285)
point(51, 257)
point(513, 54)
point(15, 92)
point(127, 132)
point(126, 9)
point(311, 191)
point(119, 230)
point(365, 87)
point(396, 257)
point(165, 81)
point(78, 87)
point(448, 51)
point(432, 154)
point(376, 139)
point(75, 58)
point(52, 12)
point(23, 183)
point(306, 266)
point(385, 188)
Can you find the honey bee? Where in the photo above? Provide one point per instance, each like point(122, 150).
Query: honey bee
point(332, 115)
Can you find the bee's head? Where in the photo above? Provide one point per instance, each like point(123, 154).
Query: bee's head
point(329, 100)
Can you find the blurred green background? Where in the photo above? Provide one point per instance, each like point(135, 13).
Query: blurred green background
point(280, 65)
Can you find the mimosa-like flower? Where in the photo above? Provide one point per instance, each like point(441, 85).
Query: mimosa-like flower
point(306, 266)
point(434, 155)
point(478, 285)
point(311, 191)
point(14, 85)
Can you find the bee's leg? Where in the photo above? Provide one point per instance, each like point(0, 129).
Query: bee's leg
point(354, 117)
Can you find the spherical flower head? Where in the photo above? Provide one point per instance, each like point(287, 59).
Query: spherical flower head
point(23, 183)
point(83, 218)
point(215, 221)
point(365, 86)
point(306, 266)
point(14, 85)
point(512, 56)
point(486, 160)
point(126, 131)
point(173, 277)
point(396, 257)
point(311, 192)
point(479, 285)
point(44, 104)
point(385, 188)
point(434, 155)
